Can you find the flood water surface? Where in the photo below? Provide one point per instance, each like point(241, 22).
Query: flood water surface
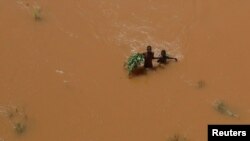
point(62, 77)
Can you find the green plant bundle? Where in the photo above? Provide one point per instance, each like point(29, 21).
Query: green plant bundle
point(134, 61)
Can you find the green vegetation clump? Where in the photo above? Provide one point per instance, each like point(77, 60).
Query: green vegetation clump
point(223, 109)
point(37, 13)
point(134, 61)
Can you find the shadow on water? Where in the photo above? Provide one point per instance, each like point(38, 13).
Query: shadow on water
point(141, 71)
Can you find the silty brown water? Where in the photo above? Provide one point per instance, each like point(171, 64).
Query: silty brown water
point(66, 70)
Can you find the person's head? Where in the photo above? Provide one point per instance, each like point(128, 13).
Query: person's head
point(149, 48)
point(163, 52)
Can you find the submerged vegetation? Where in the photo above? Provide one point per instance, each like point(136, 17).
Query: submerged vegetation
point(223, 109)
point(20, 127)
point(133, 62)
point(37, 13)
point(16, 117)
point(177, 137)
point(201, 84)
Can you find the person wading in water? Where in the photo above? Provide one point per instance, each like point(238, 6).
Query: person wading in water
point(148, 56)
point(163, 59)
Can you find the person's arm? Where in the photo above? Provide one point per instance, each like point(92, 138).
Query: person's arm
point(172, 58)
point(155, 57)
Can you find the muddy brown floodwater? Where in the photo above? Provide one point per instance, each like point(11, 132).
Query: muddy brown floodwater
point(65, 72)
